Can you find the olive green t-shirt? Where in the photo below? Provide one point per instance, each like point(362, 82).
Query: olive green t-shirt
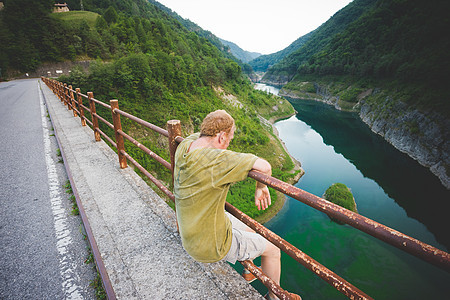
point(202, 178)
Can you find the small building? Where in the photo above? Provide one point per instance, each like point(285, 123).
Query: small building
point(60, 7)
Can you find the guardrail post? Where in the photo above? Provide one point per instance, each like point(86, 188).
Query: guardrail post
point(174, 130)
point(80, 106)
point(72, 101)
point(60, 91)
point(94, 116)
point(119, 138)
point(66, 89)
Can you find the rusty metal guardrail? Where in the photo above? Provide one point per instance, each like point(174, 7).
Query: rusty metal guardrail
point(413, 246)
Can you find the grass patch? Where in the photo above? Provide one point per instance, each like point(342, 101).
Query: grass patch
point(77, 17)
point(96, 283)
point(340, 194)
point(75, 211)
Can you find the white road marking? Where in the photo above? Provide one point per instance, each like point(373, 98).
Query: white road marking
point(70, 287)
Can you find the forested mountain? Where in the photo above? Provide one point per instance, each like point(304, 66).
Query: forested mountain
point(191, 26)
point(264, 62)
point(239, 53)
point(283, 71)
point(154, 66)
point(406, 41)
point(389, 61)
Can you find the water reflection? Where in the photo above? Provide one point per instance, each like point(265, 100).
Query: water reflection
point(389, 187)
point(411, 185)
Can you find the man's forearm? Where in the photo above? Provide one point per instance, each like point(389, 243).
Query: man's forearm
point(263, 166)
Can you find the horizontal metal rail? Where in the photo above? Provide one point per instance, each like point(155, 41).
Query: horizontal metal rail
point(266, 280)
point(142, 122)
point(89, 122)
point(415, 247)
point(105, 121)
point(408, 244)
point(107, 138)
point(146, 150)
point(328, 276)
point(101, 103)
point(150, 176)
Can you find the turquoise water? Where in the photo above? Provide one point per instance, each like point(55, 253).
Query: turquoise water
point(389, 188)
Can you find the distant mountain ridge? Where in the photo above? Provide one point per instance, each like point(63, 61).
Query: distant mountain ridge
point(389, 61)
point(239, 53)
point(285, 69)
point(264, 62)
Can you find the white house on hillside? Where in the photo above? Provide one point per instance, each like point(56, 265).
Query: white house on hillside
point(60, 7)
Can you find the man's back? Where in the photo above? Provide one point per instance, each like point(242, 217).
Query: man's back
point(202, 180)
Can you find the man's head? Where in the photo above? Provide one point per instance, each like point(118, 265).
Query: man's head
point(218, 124)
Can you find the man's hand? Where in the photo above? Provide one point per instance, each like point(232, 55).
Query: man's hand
point(262, 198)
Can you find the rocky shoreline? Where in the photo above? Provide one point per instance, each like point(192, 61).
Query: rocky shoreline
point(424, 136)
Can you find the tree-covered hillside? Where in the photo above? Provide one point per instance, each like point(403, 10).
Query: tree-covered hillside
point(264, 62)
point(394, 44)
point(239, 53)
point(225, 48)
point(406, 41)
point(389, 61)
point(285, 69)
point(155, 67)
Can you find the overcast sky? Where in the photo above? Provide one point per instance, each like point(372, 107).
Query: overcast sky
point(264, 26)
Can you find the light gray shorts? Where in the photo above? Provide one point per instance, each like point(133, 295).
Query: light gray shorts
point(244, 244)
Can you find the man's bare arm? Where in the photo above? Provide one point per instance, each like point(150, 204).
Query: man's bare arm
point(262, 195)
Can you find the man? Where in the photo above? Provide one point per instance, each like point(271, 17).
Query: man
point(204, 171)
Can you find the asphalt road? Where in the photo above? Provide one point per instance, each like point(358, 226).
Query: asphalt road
point(42, 248)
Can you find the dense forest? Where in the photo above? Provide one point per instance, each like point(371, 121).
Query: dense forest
point(315, 41)
point(395, 44)
point(157, 68)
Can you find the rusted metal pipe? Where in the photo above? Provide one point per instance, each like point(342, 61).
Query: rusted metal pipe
point(328, 276)
point(150, 176)
point(105, 121)
point(144, 123)
point(108, 138)
point(413, 246)
point(386, 234)
point(146, 150)
point(266, 280)
point(102, 103)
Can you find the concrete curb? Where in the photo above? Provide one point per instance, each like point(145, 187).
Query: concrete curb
point(134, 229)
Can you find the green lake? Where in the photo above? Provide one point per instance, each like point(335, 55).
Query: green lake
point(389, 187)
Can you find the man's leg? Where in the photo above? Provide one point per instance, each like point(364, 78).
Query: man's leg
point(270, 258)
point(271, 262)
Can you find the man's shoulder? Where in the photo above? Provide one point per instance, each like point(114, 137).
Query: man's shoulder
point(237, 157)
point(192, 137)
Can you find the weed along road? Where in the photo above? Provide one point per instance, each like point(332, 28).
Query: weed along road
point(42, 246)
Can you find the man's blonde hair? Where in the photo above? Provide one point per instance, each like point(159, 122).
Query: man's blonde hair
point(216, 122)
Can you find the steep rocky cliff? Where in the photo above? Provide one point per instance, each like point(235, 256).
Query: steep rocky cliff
point(424, 136)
